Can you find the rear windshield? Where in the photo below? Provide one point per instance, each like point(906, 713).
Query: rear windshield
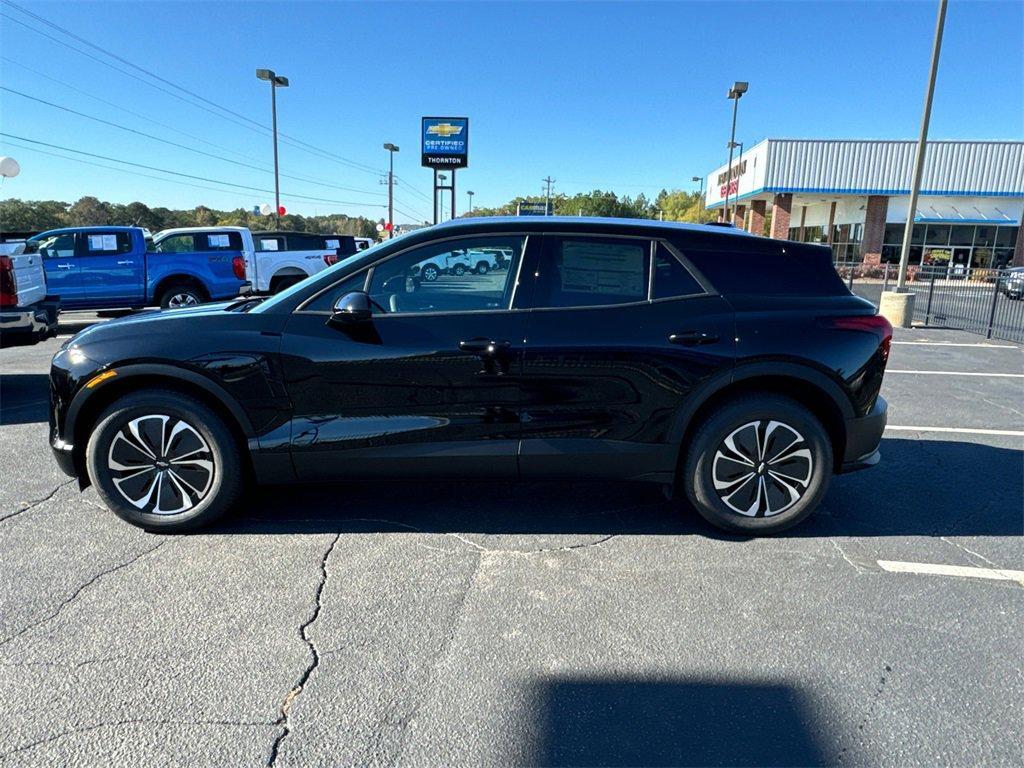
point(800, 270)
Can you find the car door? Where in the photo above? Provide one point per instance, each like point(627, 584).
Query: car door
point(429, 386)
point(111, 269)
point(620, 333)
point(61, 265)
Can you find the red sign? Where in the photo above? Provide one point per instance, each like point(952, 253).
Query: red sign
point(733, 188)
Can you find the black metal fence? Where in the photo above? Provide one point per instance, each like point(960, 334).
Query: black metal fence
point(985, 301)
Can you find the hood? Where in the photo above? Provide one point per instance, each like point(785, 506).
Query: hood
point(146, 322)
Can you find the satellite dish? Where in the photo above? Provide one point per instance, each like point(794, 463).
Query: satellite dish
point(265, 209)
point(9, 167)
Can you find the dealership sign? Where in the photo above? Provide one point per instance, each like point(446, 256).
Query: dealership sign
point(445, 142)
point(733, 184)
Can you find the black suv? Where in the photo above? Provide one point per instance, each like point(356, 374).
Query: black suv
point(737, 372)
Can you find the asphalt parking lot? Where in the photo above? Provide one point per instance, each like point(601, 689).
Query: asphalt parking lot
point(540, 624)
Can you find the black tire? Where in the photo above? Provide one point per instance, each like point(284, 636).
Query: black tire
point(459, 270)
point(430, 272)
point(208, 492)
point(806, 474)
point(482, 268)
point(182, 294)
point(278, 284)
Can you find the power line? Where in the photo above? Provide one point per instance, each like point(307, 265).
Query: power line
point(248, 122)
point(187, 175)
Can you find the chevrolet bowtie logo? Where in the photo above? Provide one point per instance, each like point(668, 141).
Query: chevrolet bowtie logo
point(444, 129)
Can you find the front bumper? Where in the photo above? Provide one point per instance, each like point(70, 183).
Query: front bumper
point(863, 435)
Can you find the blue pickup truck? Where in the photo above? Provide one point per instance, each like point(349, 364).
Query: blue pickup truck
point(111, 267)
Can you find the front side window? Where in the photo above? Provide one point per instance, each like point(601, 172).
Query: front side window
point(592, 272)
point(442, 277)
point(176, 244)
point(57, 246)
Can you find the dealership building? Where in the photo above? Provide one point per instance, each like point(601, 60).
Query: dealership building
point(854, 196)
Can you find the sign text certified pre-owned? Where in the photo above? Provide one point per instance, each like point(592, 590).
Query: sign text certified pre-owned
point(445, 142)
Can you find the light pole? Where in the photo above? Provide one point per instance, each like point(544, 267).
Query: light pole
point(469, 193)
point(700, 181)
point(735, 93)
point(276, 81)
point(442, 178)
point(391, 148)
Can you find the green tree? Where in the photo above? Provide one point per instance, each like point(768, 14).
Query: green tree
point(88, 212)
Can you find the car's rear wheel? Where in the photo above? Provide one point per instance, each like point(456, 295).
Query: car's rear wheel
point(164, 461)
point(459, 270)
point(758, 465)
point(430, 273)
point(482, 268)
point(180, 295)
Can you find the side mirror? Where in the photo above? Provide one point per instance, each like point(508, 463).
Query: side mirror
point(351, 308)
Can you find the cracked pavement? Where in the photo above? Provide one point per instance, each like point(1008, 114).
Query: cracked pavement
point(536, 624)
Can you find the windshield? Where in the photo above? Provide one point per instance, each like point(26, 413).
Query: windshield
point(276, 299)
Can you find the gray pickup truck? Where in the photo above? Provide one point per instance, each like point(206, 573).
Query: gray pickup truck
point(27, 315)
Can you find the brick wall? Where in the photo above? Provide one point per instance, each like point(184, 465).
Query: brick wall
point(757, 211)
point(781, 209)
point(874, 228)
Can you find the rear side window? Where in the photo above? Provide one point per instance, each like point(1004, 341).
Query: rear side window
point(592, 272)
point(671, 278)
point(270, 243)
point(219, 241)
point(803, 270)
point(105, 243)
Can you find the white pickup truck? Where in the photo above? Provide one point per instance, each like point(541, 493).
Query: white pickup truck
point(26, 314)
point(273, 260)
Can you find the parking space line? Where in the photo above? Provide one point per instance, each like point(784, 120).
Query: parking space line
point(934, 569)
point(954, 344)
point(959, 373)
point(957, 430)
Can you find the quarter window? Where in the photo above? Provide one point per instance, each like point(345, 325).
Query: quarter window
point(671, 278)
point(453, 276)
point(592, 272)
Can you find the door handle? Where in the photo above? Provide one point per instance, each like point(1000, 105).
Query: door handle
point(693, 338)
point(125, 263)
point(65, 266)
point(484, 346)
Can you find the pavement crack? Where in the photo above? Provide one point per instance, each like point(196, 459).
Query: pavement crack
point(26, 506)
point(970, 552)
point(856, 566)
point(284, 718)
point(82, 588)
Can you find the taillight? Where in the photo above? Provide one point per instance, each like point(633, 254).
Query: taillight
point(8, 283)
point(869, 323)
point(331, 259)
point(238, 267)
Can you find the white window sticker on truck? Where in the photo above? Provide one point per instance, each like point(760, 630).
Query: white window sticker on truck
point(332, 244)
point(218, 241)
point(268, 244)
point(102, 242)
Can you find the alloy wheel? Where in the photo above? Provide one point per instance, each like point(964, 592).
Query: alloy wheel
point(182, 299)
point(160, 464)
point(762, 468)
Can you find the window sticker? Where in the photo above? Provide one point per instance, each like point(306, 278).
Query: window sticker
point(102, 242)
point(268, 244)
point(218, 241)
point(332, 244)
point(603, 268)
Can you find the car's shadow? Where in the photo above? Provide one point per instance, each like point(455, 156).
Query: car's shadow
point(920, 488)
point(24, 398)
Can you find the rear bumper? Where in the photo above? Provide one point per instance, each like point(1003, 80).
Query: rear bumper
point(863, 434)
point(34, 322)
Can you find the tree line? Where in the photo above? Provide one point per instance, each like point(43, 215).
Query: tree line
point(675, 205)
point(40, 215)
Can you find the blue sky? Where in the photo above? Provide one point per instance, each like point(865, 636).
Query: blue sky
point(623, 96)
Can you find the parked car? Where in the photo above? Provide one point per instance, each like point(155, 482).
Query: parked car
point(273, 260)
point(113, 267)
point(737, 372)
point(285, 258)
point(1013, 283)
point(27, 314)
point(363, 243)
point(484, 260)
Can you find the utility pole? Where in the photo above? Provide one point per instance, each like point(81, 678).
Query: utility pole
point(547, 196)
point(391, 148)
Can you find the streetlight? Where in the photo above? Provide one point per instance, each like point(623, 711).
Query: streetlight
point(700, 181)
point(276, 81)
point(735, 93)
point(391, 148)
point(470, 194)
point(442, 178)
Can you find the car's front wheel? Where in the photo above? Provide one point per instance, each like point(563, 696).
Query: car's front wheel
point(758, 465)
point(164, 461)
